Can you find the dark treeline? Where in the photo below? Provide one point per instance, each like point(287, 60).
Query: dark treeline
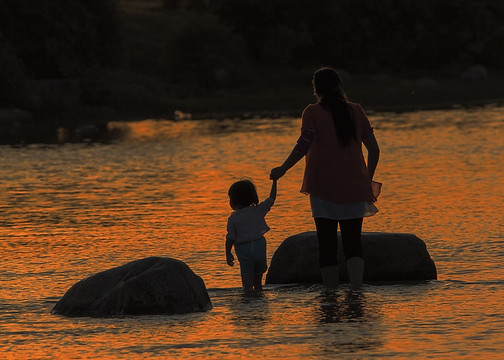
point(219, 43)
point(368, 35)
point(55, 39)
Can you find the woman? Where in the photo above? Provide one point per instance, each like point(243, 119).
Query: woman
point(336, 176)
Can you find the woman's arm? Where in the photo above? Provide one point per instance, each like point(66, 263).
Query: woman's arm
point(300, 150)
point(291, 160)
point(373, 154)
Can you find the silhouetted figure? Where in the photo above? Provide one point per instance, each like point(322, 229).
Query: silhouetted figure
point(245, 230)
point(336, 176)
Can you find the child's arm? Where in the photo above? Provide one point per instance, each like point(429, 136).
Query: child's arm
point(273, 192)
point(230, 240)
point(229, 255)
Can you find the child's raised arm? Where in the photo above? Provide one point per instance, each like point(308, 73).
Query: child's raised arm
point(273, 192)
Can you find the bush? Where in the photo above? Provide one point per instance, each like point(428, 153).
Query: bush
point(197, 5)
point(11, 77)
point(369, 35)
point(61, 38)
point(206, 53)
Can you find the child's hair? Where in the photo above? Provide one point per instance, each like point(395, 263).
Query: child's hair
point(243, 193)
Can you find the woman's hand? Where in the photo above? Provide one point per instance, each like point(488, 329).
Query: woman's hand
point(277, 173)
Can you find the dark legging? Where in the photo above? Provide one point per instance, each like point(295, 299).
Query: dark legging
point(327, 230)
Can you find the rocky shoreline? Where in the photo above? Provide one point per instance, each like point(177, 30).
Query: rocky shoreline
point(21, 127)
point(73, 110)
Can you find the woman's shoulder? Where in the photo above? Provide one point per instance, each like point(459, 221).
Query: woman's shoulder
point(357, 109)
point(311, 107)
point(354, 105)
point(314, 109)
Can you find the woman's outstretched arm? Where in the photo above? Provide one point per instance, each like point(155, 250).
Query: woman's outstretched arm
point(291, 160)
point(298, 152)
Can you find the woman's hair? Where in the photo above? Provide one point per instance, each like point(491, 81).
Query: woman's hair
point(329, 92)
point(243, 193)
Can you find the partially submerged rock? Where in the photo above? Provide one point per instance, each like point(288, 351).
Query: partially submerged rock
point(387, 257)
point(153, 285)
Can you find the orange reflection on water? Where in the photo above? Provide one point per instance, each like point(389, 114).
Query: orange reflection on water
point(71, 211)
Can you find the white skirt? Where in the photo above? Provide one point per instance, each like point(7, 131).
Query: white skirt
point(326, 209)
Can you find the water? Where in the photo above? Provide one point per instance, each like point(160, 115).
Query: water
point(70, 211)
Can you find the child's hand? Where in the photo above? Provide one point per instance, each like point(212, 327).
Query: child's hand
point(230, 259)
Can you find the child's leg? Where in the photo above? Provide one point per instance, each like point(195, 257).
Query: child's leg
point(260, 264)
point(243, 252)
point(258, 282)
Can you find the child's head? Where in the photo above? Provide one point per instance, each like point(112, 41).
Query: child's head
point(243, 193)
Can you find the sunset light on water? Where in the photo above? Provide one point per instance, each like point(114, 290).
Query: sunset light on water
point(124, 124)
point(73, 210)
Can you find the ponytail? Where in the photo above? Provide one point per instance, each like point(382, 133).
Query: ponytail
point(329, 91)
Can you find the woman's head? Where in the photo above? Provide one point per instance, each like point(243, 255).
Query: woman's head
point(243, 193)
point(327, 84)
point(328, 89)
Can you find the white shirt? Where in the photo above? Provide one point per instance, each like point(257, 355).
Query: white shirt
point(248, 224)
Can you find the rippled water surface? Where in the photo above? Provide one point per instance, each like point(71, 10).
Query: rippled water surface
point(70, 211)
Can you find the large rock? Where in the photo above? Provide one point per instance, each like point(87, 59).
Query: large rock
point(152, 285)
point(387, 256)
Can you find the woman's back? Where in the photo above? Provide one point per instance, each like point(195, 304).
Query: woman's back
point(336, 172)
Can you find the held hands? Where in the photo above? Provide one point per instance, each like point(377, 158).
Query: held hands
point(277, 173)
point(230, 259)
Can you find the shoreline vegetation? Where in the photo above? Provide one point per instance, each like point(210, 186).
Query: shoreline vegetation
point(199, 59)
point(60, 120)
point(376, 93)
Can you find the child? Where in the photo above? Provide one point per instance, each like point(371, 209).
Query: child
point(245, 230)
